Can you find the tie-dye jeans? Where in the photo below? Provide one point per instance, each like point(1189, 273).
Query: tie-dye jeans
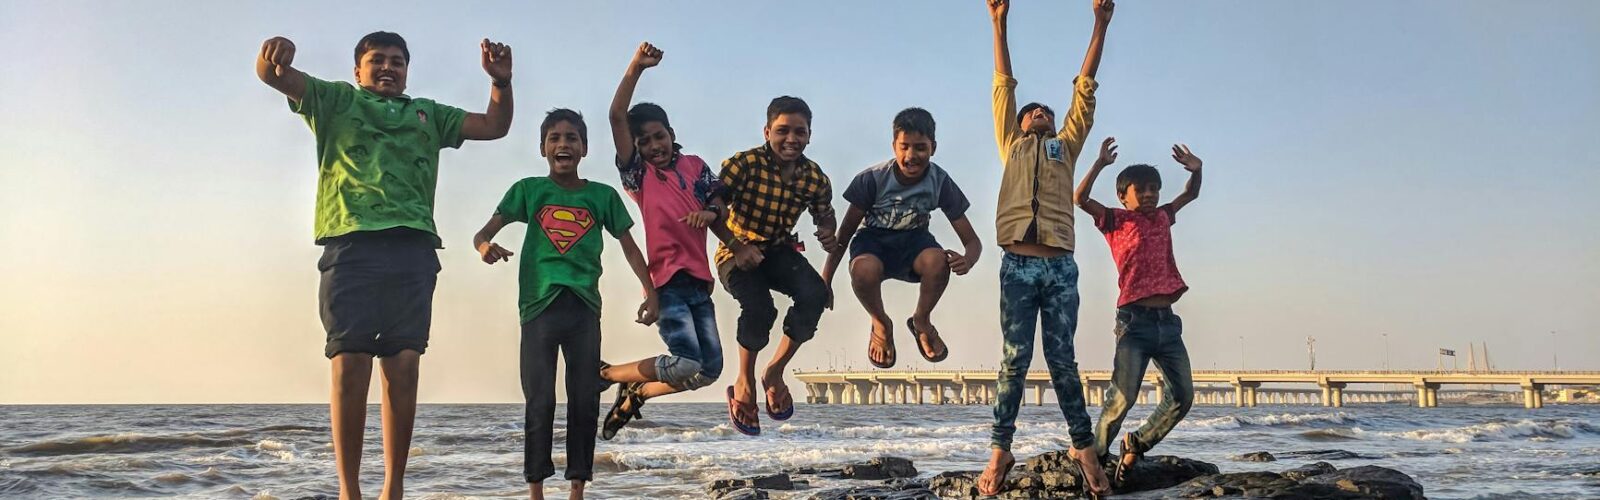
point(1032, 288)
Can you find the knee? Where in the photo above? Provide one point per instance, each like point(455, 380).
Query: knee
point(866, 269)
point(931, 263)
point(758, 314)
point(812, 297)
point(681, 373)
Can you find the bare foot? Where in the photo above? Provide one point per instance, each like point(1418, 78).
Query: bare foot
point(779, 399)
point(744, 393)
point(994, 475)
point(880, 347)
point(1094, 476)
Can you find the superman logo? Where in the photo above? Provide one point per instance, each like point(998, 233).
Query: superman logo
point(565, 226)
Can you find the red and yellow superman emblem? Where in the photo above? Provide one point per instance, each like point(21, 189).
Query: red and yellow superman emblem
point(565, 226)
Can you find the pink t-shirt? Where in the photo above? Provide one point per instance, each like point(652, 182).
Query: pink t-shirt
point(1141, 245)
point(665, 196)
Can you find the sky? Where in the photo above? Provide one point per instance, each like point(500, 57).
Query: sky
point(1390, 178)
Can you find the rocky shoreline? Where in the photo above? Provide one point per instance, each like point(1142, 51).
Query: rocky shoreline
point(1054, 475)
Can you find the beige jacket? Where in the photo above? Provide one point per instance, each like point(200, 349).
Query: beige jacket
point(1036, 187)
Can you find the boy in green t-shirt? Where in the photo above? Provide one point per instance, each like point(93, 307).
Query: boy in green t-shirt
point(377, 159)
point(559, 293)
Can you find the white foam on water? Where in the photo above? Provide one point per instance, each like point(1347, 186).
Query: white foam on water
point(1491, 431)
point(263, 495)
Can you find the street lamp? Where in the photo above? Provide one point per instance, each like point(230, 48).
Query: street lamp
point(1555, 350)
point(1241, 352)
point(1386, 352)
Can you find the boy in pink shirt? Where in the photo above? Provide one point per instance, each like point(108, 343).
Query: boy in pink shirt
point(678, 197)
point(1147, 276)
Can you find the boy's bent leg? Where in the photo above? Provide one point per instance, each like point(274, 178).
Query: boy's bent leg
point(581, 350)
point(399, 417)
point(1127, 375)
point(1172, 358)
point(706, 334)
point(757, 314)
point(1019, 309)
point(866, 280)
point(352, 374)
point(933, 271)
point(792, 275)
point(540, 338)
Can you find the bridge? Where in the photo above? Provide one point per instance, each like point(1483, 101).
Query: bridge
point(1240, 388)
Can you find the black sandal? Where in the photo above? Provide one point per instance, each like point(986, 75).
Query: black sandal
point(617, 418)
point(1130, 446)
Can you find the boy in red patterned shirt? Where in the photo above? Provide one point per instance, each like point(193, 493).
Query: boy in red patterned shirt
point(1147, 276)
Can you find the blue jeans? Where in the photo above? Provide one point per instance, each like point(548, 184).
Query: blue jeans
point(1146, 334)
point(1033, 288)
point(688, 325)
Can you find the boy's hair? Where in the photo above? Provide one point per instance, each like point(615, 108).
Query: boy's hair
point(379, 39)
point(1141, 174)
point(646, 112)
point(787, 104)
point(1028, 108)
point(559, 115)
point(914, 120)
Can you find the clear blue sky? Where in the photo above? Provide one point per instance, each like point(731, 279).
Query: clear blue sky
point(1423, 169)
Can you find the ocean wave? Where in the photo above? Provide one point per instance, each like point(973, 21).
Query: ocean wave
point(125, 443)
point(771, 458)
point(1498, 430)
point(723, 432)
point(1281, 420)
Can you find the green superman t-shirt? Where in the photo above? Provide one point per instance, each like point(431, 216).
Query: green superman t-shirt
point(563, 244)
point(377, 157)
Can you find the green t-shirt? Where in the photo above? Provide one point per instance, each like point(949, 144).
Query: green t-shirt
point(377, 157)
point(561, 247)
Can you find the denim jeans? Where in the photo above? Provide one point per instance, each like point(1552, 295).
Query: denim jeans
point(688, 325)
point(1146, 334)
point(1031, 289)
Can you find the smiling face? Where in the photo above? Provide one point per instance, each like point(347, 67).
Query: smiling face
point(788, 134)
point(912, 150)
point(1040, 121)
point(382, 70)
point(563, 146)
point(654, 142)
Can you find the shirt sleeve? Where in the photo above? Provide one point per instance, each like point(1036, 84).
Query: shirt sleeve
point(321, 98)
point(1172, 214)
point(707, 185)
point(632, 173)
point(1080, 118)
point(822, 195)
point(447, 121)
point(1006, 129)
point(617, 222)
point(514, 206)
point(862, 191)
point(1107, 221)
point(732, 177)
point(952, 201)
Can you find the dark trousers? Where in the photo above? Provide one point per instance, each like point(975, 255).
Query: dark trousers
point(785, 271)
point(572, 326)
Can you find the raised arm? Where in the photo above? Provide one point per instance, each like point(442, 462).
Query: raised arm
point(647, 56)
point(274, 68)
point(1108, 155)
point(496, 122)
point(1191, 189)
point(483, 241)
point(1102, 19)
point(650, 310)
point(1004, 99)
point(1079, 119)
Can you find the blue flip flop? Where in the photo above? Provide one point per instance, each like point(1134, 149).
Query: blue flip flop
point(748, 430)
point(779, 416)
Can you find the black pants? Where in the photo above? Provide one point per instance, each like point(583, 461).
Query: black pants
point(572, 326)
point(785, 271)
point(376, 294)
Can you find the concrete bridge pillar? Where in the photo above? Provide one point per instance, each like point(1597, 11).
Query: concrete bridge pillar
point(1038, 394)
point(1338, 396)
point(1250, 396)
point(919, 391)
point(1532, 395)
point(1159, 393)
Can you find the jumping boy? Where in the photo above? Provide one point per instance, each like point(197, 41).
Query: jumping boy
point(559, 293)
point(1033, 223)
point(1147, 276)
point(895, 199)
point(767, 187)
point(378, 165)
point(677, 197)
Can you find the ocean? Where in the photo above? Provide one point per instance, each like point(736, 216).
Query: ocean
point(475, 451)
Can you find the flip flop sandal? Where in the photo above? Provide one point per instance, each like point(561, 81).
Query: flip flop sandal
point(618, 419)
point(894, 356)
point(733, 418)
point(922, 339)
point(1005, 472)
point(605, 384)
point(1130, 446)
point(775, 415)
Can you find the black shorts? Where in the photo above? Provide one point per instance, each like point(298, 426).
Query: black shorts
point(376, 295)
point(897, 250)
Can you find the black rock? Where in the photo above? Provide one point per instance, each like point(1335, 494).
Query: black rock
point(1371, 481)
point(1260, 456)
point(1162, 471)
point(723, 487)
point(874, 493)
point(1056, 475)
point(741, 494)
point(880, 468)
point(1302, 472)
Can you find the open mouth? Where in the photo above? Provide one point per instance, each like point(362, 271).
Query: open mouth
point(389, 79)
point(564, 157)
